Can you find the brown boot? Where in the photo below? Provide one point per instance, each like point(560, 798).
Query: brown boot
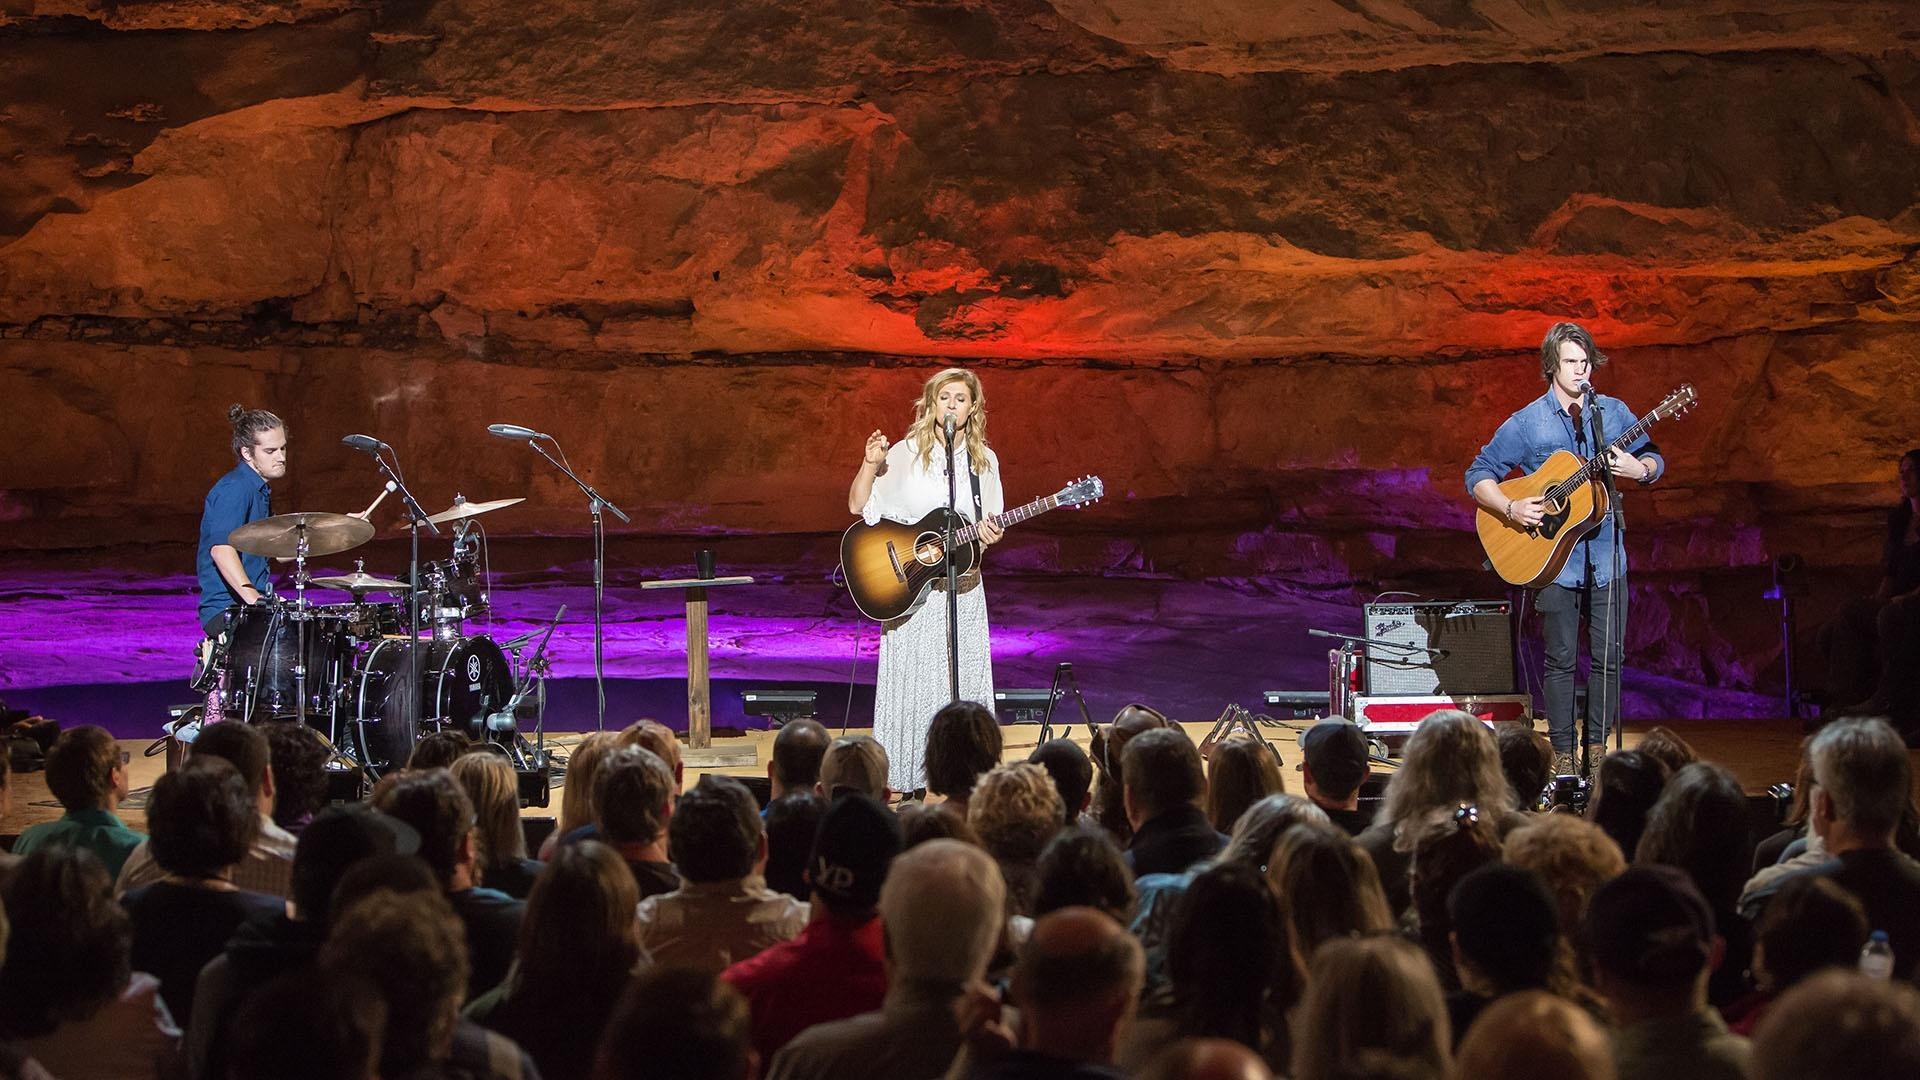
point(1563, 764)
point(1595, 752)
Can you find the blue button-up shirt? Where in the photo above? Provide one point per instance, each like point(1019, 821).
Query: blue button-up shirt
point(1531, 435)
point(237, 498)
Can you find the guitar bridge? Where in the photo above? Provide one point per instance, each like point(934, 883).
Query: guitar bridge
point(893, 557)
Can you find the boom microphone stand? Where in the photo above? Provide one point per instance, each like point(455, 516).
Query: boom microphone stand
point(416, 517)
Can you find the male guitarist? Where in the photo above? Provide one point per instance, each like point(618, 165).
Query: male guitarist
point(1558, 420)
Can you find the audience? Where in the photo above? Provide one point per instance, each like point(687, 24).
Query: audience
point(1373, 1009)
point(268, 864)
point(299, 755)
point(921, 822)
point(436, 808)
point(1334, 762)
point(1261, 827)
point(1072, 773)
point(678, 1024)
point(1571, 856)
point(792, 820)
point(1506, 939)
point(1533, 1035)
point(1699, 826)
point(69, 996)
point(1164, 783)
point(438, 750)
point(1081, 867)
point(723, 911)
point(500, 843)
point(942, 906)
point(1016, 811)
point(8, 860)
point(1624, 791)
point(578, 947)
point(633, 805)
point(1812, 924)
point(1841, 1025)
point(1444, 854)
point(1665, 746)
point(1450, 759)
point(577, 807)
point(962, 743)
point(854, 764)
point(1206, 1059)
point(1106, 751)
point(87, 772)
point(1793, 822)
point(304, 1026)
point(1327, 887)
point(203, 819)
point(836, 966)
point(1650, 937)
point(1075, 985)
point(1240, 772)
point(794, 765)
point(1526, 756)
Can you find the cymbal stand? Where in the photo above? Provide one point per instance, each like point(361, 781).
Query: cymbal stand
point(300, 550)
point(595, 505)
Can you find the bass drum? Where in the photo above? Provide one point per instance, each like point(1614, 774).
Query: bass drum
point(462, 682)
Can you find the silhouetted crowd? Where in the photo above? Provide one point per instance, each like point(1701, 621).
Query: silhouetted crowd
point(1136, 910)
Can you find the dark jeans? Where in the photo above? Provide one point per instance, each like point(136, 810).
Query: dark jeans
point(1559, 609)
point(1872, 652)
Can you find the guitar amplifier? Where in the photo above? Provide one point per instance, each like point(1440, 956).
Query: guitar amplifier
point(1455, 648)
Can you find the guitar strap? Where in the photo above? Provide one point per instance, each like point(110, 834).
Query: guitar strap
point(975, 477)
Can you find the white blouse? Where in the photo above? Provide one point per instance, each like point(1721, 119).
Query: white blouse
point(905, 492)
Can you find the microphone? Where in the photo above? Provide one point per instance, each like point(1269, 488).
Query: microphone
point(514, 431)
point(365, 443)
point(949, 427)
point(1585, 389)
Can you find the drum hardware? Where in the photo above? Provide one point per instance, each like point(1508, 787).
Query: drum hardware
point(416, 516)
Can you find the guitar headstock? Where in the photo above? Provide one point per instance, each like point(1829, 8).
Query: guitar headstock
point(1085, 490)
point(1677, 402)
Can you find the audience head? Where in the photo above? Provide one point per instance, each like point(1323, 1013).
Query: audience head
point(857, 841)
point(792, 820)
point(411, 948)
point(1373, 1007)
point(1334, 760)
point(1082, 867)
point(1161, 772)
point(660, 739)
point(1840, 1025)
point(1627, 786)
point(301, 1027)
point(1506, 930)
point(1107, 751)
point(71, 947)
point(201, 818)
point(1076, 982)
point(336, 840)
point(494, 789)
point(579, 925)
point(1264, 823)
point(1650, 936)
point(1864, 782)
point(1241, 772)
point(435, 806)
point(1205, 1059)
point(1699, 825)
point(299, 755)
point(1810, 924)
point(962, 742)
point(1071, 770)
point(673, 1022)
point(1328, 885)
point(1443, 854)
point(797, 749)
point(854, 763)
point(247, 748)
point(1526, 756)
point(716, 833)
point(1665, 746)
point(921, 822)
point(1231, 959)
point(439, 749)
point(399, 874)
point(1451, 758)
point(577, 806)
point(1573, 856)
point(1534, 1034)
point(633, 796)
point(942, 906)
point(6, 781)
point(1015, 810)
point(84, 770)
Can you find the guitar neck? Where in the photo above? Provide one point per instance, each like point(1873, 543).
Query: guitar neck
point(1014, 516)
point(1590, 468)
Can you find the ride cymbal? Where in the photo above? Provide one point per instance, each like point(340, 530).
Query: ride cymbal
point(461, 508)
point(278, 537)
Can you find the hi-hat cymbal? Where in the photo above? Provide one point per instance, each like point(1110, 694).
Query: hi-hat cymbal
point(461, 508)
point(359, 582)
point(278, 537)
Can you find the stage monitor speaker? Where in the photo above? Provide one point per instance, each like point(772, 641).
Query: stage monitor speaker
point(1471, 643)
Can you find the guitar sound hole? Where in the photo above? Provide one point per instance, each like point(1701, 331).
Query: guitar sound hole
point(926, 550)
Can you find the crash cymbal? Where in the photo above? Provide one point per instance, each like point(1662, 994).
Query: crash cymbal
point(278, 537)
point(461, 508)
point(359, 582)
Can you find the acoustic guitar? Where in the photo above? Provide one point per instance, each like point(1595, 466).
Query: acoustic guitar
point(890, 566)
point(1576, 502)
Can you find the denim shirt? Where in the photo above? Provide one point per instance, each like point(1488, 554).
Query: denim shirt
point(1531, 435)
point(237, 498)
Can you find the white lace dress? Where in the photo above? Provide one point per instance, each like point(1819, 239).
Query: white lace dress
point(912, 682)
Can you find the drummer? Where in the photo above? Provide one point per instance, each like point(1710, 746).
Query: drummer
point(228, 577)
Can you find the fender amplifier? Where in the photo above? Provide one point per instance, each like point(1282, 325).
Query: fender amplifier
point(1452, 648)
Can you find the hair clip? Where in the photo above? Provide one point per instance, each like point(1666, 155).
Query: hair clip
point(1466, 816)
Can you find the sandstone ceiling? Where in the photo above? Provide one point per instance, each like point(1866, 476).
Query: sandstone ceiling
point(1273, 268)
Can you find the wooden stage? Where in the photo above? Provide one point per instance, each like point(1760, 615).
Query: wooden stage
point(1759, 752)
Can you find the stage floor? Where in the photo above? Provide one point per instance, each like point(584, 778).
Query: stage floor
point(1759, 753)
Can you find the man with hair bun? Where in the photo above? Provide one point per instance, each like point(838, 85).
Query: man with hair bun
point(228, 577)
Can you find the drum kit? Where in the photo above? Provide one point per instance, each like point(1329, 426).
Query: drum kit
point(375, 676)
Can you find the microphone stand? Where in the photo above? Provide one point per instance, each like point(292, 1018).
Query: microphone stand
point(1610, 682)
point(953, 576)
point(595, 504)
point(416, 517)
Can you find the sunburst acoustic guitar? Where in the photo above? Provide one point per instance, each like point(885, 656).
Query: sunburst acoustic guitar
point(1576, 502)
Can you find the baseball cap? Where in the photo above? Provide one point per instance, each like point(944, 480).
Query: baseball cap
point(857, 841)
point(1337, 754)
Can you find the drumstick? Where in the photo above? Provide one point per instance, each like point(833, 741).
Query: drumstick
point(384, 492)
